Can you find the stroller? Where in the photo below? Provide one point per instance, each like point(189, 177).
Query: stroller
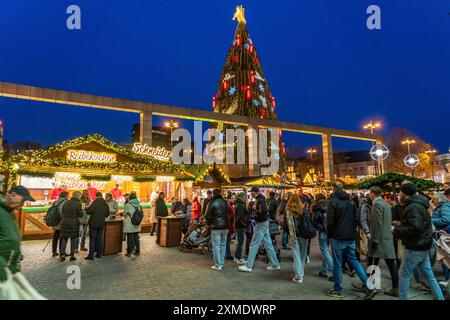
point(197, 236)
point(443, 256)
point(274, 230)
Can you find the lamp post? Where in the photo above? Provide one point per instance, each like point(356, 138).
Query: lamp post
point(372, 126)
point(171, 124)
point(311, 151)
point(408, 142)
point(431, 153)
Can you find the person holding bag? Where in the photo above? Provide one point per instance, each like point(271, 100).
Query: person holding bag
point(13, 285)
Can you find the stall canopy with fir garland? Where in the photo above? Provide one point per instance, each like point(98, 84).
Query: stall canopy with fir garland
point(393, 181)
point(95, 158)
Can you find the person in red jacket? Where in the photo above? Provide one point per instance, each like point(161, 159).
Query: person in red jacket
point(231, 201)
point(116, 192)
point(92, 191)
point(196, 210)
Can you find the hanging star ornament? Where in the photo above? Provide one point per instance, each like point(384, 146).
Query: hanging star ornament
point(261, 87)
point(258, 76)
point(232, 91)
point(239, 15)
point(263, 100)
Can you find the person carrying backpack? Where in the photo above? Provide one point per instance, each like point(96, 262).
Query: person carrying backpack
point(132, 226)
point(55, 215)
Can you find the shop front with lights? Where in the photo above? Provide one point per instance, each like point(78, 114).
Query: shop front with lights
point(71, 165)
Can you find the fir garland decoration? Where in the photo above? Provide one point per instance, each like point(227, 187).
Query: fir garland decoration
point(144, 179)
point(35, 174)
point(87, 177)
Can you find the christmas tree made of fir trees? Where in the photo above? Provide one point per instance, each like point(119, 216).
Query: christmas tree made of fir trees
point(243, 88)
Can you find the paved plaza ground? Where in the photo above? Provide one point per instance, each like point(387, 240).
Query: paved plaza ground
point(167, 273)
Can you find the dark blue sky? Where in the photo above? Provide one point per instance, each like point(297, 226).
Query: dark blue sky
point(322, 63)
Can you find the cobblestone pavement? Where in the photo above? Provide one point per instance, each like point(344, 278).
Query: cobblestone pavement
point(167, 273)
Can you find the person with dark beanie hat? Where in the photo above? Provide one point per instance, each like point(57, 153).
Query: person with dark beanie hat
point(415, 230)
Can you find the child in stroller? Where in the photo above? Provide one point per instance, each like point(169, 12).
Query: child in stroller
point(274, 230)
point(197, 236)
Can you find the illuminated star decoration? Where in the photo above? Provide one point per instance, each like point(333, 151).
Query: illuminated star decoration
point(255, 102)
point(246, 46)
point(264, 101)
point(239, 15)
point(261, 87)
point(258, 76)
point(232, 91)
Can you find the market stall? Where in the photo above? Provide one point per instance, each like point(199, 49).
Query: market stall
point(91, 162)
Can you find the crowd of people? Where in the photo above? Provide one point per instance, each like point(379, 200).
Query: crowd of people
point(401, 231)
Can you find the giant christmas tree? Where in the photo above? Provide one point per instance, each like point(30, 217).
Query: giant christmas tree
point(243, 88)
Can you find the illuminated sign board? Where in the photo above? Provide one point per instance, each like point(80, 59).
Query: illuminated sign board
point(158, 153)
point(90, 156)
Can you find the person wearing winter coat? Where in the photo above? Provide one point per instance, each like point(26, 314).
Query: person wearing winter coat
point(272, 205)
point(298, 244)
point(217, 219)
point(160, 210)
point(70, 225)
point(441, 214)
point(84, 221)
point(342, 221)
point(415, 230)
point(196, 210)
point(132, 231)
point(381, 241)
point(319, 209)
point(56, 241)
point(261, 234)
point(10, 236)
point(231, 201)
point(98, 211)
point(241, 222)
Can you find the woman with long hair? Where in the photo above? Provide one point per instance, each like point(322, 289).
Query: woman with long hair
point(298, 245)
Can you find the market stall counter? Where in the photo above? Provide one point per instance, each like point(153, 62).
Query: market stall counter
point(112, 236)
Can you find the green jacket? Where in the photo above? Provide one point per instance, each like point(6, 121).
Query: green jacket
point(10, 238)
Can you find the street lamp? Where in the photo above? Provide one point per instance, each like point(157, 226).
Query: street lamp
point(431, 153)
point(171, 125)
point(311, 151)
point(372, 126)
point(409, 142)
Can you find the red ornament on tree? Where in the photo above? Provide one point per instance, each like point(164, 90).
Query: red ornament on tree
point(273, 102)
point(252, 77)
point(255, 60)
point(284, 148)
point(235, 58)
point(214, 103)
point(262, 113)
point(238, 40)
point(248, 93)
point(225, 84)
point(251, 49)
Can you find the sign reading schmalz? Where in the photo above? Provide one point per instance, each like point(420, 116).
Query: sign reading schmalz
point(157, 153)
point(91, 156)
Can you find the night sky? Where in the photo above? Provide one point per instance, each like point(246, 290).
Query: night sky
point(322, 63)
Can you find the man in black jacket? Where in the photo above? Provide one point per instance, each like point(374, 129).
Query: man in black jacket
point(415, 230)
point(217, 219)
point(272, 204)
point(341, 229)
point(260, 234)
point(97, 211)
point(241, 222)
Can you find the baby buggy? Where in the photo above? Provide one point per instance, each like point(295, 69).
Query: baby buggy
point(197, 236)
point(274, 230)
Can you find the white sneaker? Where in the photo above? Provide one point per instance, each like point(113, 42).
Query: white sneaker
point(216, 268)
point(307, 260)
point(240, 261)
point(244, 268)
point(297, 280)
point(272, 268)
